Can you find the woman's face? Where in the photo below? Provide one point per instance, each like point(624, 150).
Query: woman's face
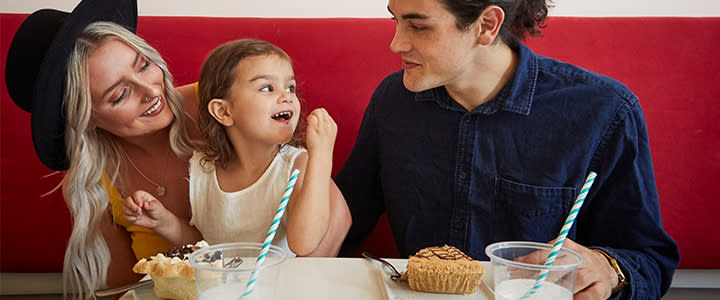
point(127, 91)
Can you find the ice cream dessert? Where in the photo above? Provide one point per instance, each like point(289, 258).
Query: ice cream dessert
point(443, 269)
point(173, 276)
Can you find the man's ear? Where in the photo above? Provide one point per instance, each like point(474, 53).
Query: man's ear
point(220, 110)
point(488, 24)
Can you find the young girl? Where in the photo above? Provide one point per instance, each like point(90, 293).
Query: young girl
point(249, 110)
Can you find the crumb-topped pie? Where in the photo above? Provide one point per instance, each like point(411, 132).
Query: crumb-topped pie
point(173, 276)
point(444, 269)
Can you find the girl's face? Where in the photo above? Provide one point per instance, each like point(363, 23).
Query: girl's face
point(264, 103)
point(127, 91)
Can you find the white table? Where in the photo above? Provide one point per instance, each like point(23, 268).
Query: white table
point(333, 278)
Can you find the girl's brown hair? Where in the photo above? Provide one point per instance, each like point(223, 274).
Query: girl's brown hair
point(216, 79)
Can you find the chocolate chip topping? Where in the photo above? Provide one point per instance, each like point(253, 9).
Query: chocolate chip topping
point(182, 253)
point(217, 255)
point(445, 253)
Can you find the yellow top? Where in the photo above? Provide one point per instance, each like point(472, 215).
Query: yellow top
point(145, 242)
point(196, 87)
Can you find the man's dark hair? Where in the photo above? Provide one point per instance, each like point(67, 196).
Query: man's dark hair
point(522, 17)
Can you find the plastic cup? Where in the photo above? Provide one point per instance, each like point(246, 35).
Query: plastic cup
point(226, 278)
point(516, 266)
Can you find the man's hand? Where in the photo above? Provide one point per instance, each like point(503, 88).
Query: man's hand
point(596, 278)
point(143, 209)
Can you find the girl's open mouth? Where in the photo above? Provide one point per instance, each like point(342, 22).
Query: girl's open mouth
point(282, 116)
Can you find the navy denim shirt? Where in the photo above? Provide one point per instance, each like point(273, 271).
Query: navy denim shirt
point(511, 168)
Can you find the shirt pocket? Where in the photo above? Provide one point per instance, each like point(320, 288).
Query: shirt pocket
point(529, 212)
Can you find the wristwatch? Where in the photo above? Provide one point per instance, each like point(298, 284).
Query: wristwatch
point(622, 282)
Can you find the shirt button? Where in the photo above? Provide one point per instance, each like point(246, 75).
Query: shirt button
point(468, 119)
point(463, 175)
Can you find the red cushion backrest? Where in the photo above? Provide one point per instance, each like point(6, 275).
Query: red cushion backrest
point(672, 65)
point(667, 62)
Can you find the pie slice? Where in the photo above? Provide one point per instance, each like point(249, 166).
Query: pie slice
point(173, 276)
point(444, 269)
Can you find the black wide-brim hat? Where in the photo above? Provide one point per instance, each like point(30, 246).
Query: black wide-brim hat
point(37, 65)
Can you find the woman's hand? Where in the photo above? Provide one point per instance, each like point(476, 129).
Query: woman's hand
point(321, 132)
point(143, 209)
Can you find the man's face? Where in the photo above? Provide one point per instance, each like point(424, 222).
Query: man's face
point(434, 51)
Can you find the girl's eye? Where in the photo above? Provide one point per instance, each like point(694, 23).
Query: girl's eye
point(291, 89)
point(267, 88)
point(121, 97)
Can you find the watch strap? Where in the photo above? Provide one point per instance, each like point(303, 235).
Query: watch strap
point(622, 280)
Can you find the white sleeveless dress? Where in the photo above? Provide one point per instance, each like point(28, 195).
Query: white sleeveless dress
point(245, 215)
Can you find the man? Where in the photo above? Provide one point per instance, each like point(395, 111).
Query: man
point(478, 140)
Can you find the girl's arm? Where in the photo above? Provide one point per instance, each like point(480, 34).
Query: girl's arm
point(122, 258)
point(143, 209)
point(308, 212)
point(340, 221)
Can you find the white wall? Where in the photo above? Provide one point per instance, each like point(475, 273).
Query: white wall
point(372, 8)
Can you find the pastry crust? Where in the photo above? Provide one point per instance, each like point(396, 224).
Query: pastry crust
point(444, 269)
point(162, 266)
point(173, 277)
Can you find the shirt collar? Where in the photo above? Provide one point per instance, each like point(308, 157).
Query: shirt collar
point(516, 96)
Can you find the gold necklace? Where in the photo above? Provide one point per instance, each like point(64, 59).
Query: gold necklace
point(160, 190)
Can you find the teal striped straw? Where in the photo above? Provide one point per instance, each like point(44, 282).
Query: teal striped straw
point(271, 233)
point(563, 233)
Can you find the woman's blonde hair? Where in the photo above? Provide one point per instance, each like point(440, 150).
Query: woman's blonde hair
point(91, 151)
point(216, 80)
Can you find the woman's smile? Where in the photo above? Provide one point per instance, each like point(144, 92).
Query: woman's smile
point(155, 109)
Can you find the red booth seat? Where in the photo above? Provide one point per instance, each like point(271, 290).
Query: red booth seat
point(670, 63)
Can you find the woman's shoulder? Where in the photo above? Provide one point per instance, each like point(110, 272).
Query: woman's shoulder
point(188, 93)
point(191, 107)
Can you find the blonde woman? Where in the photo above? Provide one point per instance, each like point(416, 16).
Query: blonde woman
point(103, 108)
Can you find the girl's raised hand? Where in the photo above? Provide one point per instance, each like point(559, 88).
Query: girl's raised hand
point(321, 132)
point(143, 209)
